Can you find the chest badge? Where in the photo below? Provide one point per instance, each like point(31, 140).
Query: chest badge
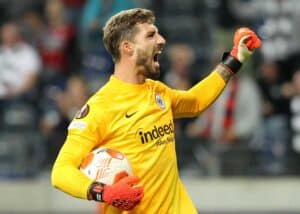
point(159, 101)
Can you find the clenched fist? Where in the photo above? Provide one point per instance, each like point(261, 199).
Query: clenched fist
point(245, 42)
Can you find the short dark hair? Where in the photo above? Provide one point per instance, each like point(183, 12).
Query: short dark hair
point(122, 26)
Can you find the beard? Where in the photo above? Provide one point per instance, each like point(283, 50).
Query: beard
point(145, 63)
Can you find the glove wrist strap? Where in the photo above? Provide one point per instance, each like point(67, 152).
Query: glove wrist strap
point(231, 63)
point(95, 191)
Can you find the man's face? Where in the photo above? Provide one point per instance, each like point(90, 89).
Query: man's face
point(9, 34)
point(148, 44)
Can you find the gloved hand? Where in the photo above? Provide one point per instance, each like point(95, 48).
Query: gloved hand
point(122, 194)
point(245, 42)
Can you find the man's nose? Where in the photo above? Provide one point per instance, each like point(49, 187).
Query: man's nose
point(161, 40)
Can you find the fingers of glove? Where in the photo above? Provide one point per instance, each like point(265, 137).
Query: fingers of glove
point(132, 205)
point(253, 41)
point(123, 191)
point(138, 194)
point(130, 180)
point(241, 43)
point(129, 199)
point(243, 31)
point(245, 39)
point(245, 45)
point(133, 193)
point(120, 176)
point(125, 204)
point(138, 190)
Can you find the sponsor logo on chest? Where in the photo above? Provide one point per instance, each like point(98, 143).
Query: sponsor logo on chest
point(158, 134)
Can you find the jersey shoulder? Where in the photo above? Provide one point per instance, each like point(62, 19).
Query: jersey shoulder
point(95, 107)
point(101, 97)
point(158, 85)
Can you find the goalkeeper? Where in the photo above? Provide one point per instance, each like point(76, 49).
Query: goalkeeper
point(134, 114)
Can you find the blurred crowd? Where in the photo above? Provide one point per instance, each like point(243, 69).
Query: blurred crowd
point(52, 59)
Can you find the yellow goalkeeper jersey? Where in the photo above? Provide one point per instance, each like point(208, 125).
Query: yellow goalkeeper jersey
point(138, 121)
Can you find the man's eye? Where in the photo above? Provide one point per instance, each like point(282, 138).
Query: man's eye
point(150, 35)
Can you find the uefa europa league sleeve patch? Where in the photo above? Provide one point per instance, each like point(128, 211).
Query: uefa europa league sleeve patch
point(84, 111)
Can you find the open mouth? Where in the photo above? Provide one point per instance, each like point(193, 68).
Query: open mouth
point(156, 56)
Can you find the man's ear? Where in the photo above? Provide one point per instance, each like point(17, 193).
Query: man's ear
point(127, 48)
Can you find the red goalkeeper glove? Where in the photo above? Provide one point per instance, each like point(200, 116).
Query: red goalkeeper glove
point(245, 42)
point(122, 194)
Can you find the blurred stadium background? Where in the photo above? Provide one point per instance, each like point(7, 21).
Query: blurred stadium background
point(52, 59)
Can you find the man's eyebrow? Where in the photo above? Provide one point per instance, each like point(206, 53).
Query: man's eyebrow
point(151, 32)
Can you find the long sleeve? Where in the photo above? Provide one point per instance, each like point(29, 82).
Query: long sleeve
point(84, 134)
point(192, 102)
point(65, 173)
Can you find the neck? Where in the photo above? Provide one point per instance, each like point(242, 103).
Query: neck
point(127, 71)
